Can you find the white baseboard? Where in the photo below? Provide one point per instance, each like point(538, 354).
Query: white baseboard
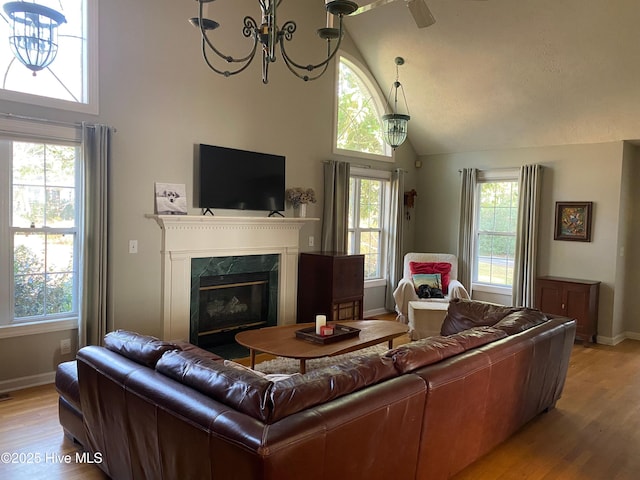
point(26, 382)
point(618, 338)
point(375, 312)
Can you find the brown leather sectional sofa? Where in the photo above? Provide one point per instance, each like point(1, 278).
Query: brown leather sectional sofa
point(425, 410)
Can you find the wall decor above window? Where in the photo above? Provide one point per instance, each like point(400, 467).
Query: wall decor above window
point(573, 221)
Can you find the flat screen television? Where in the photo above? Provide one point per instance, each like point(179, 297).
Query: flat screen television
point(240, 180)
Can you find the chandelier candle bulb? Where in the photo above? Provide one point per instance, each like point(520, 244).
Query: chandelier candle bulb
point(321, 321)
point(329, 20)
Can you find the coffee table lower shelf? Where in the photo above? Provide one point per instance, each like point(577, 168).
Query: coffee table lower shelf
point(281, 341)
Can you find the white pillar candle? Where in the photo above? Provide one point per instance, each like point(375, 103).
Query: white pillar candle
point(321, 321)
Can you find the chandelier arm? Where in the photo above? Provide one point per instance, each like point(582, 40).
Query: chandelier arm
point(306, 78)
point(226, 73)
point(287, 33)
point(249, 29)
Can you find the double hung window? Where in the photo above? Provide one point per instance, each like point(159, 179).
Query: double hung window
point(368, 207)
point(496, 226)
point(40, 228)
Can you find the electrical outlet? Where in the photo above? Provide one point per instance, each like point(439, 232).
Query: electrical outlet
point(133, 246)
point(311, 241)
point(65, 346)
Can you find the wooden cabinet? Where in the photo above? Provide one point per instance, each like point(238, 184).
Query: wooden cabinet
point(571, 298)
point(330, 284)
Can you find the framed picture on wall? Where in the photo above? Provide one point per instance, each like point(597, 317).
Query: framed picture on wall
point(573, 221)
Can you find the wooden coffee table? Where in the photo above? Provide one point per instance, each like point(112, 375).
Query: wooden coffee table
point(282, 341)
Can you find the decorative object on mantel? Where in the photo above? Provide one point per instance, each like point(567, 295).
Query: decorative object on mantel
point(299, 197)
point(395, 125)
point(171, 199)
point(34, 35)
point(269, 35)
point(573, 221)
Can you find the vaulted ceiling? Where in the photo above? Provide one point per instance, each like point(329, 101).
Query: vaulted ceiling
point(510, 73)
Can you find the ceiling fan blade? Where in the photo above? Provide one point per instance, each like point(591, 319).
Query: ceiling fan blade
point(371, 6)
point(421, 13)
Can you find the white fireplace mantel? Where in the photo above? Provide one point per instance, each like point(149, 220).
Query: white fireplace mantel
point(187, 236)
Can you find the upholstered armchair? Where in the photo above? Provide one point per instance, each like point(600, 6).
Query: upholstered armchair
point(427, 263)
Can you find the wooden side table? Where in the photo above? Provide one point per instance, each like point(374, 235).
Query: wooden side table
point(571, 298)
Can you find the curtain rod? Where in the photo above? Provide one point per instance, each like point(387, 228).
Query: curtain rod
point(357, 165)
point(46, 120)
point(491, 169)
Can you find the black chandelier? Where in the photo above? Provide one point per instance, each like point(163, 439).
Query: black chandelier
point(269, 35)
point(34, 33)
point(395, 125)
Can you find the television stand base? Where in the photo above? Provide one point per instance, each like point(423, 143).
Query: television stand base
point(275, 212)
point(208, 211)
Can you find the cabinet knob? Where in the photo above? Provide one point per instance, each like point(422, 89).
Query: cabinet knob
point(563, 307)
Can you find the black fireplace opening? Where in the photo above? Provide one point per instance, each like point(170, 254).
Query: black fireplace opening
point(229, 304)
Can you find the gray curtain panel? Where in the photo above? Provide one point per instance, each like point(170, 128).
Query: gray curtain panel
point(335, 215)
point(466, 240)
point(395, 240)
point(524, 276)
point(96, 141)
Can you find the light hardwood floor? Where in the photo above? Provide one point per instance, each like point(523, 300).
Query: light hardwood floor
point(592, 434)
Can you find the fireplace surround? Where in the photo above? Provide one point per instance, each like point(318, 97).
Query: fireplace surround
point(231, 294)
point(188, 237)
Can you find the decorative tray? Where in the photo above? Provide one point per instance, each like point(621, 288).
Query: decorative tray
point(340, 332)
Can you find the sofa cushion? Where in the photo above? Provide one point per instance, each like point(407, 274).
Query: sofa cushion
point(299, 392)
point(520, 321)
point(478, 336)
point(201, 352)
point(465, 314)
point(244, 390)
point(427, 351)
point(142, 349)
point(443, 268)
point(424, 352)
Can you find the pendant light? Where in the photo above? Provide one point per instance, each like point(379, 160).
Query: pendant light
point(395, 125)
point(34, 33)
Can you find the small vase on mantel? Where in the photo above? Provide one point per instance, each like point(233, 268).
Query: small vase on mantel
point(301, 211)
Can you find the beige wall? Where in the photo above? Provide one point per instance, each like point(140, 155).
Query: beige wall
point(628, 252)
point(572, 173)
point(158, 93)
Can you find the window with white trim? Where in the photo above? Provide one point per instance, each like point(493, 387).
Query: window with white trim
point(40, 212)
point(359, 109)
point(496, 227)
point(70, 81)
point(368, 208)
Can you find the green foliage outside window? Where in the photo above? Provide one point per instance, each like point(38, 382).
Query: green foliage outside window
point(365, 223)
point(41, 293)
point(44, 223)
point(497, 225)
point(359, 128)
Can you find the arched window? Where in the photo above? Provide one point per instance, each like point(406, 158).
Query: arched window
point(360, 107)
point(70, 81)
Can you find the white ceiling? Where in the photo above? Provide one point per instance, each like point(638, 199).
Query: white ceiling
point(510, 73)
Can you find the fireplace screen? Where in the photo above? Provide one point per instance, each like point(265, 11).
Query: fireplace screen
point(232, 302)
